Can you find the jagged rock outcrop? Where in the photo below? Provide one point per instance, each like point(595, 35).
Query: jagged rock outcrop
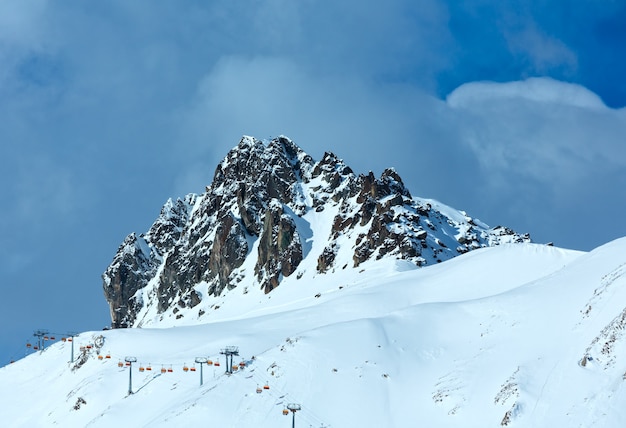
point(253, 224)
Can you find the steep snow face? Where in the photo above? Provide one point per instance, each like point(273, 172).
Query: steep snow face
point(273, 213)
point(520, 335)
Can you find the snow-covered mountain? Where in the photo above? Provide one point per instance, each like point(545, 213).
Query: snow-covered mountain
point(327, 288)
point(520, 335)
point(270, 213)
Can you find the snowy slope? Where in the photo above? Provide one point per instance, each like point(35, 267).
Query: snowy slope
point(525, 335)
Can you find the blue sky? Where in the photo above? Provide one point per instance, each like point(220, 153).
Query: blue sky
point(512, 111)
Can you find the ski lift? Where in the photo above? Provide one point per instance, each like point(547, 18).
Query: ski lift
point(242, 364)
point(46, 338)
point(266, 386)
point(69, 339)
point(259, 389)
point(63, 339)
point(216, 364)
point(108, 356)
point(193, 368)
point(210, 363)
point(120, 364)
point(52, 338)
point(141, 368)
point(285, 412)
point(88, 346)
point(127, 363)
point(28, 345)
point(185, 368)
point(170, 369)
point(148, 368)
point(235, 367)
point(100, 357)
point(35, 347)
point(163, 369)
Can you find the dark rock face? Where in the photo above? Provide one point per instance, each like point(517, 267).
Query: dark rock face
point(280, 250)
point(261, 195)
point(138, 259)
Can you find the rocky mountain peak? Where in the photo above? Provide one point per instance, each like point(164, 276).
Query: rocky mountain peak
point(253, 227)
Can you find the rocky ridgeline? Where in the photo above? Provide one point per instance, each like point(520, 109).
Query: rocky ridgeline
point(251, 210)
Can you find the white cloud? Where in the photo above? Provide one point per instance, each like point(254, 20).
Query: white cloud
point(550, 131)
point(545, 53)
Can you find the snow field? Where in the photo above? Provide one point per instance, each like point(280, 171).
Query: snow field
point(491, 337)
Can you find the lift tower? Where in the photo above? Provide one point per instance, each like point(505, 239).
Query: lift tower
point(229, 351)
point(294, 408)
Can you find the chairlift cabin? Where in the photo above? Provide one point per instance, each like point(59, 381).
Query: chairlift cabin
point(242, 364)
point(141, 368)
point(285, 412)
point(100, 357)
point(170, 369)
point(28, 345)
point(185, 368)
point(63, 339)
point(193, 368)
point(127, 363)
point(148, 368)
point(216, 364)
point(210, 363)
point(35, 347)
point(266, 386)
point(108, 356)
point(52, 338)
point(120, 364)
point(88, 346)
point(46, 338)
point(163, 370)
point(69, 339)
point(235, 367)
point(259, 389)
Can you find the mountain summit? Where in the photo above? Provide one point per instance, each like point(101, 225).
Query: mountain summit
point(271, 213)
